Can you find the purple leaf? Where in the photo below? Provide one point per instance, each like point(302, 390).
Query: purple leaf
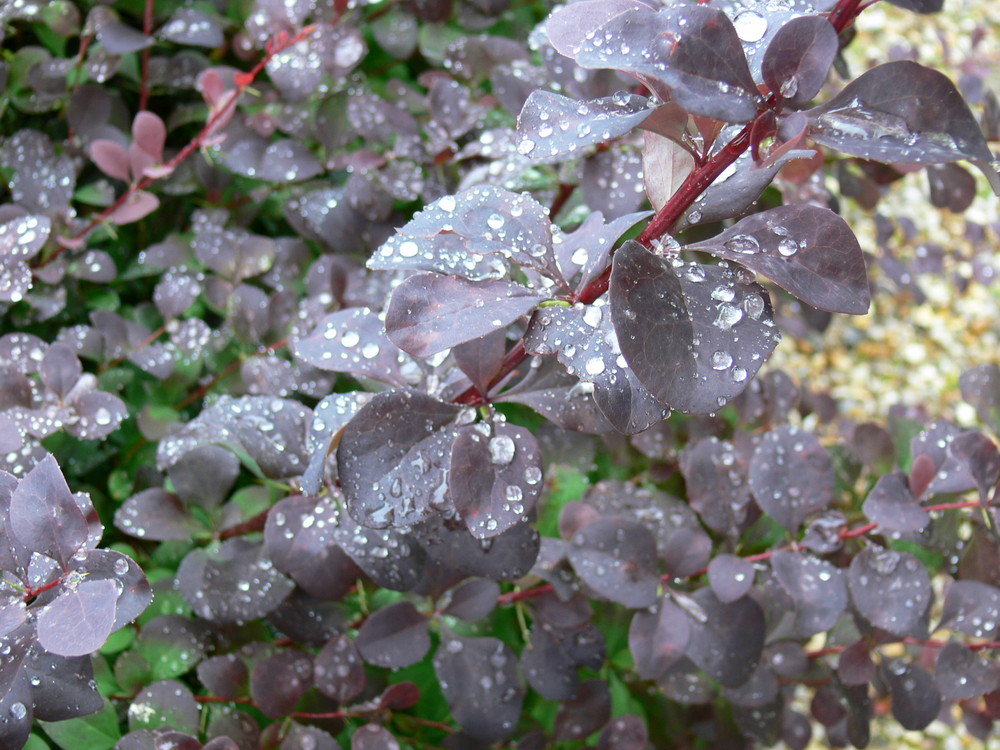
point(428, 313)
point(890, 589)
point(489, 477)
point(504, 558)
point(569, 26)
point(902, 112)
point(961, 674)
point(139, 204)
point(951, 187)
point(44, 516)
point(915, 698)
point(480, 359)
point(473, 599)
point(23, 237)
point(120, 39)
point(729, 642)
point(226, 675)
point(480, 681)
point(799, 57)
point(691, 55)
point(158, 515)
point(393, 560)
point(351, 341)
point(981, 387)
point(150, 134)
point(373, 737)
point(193, 27)
point(556, 654)
point(16, 705)
point(583, 339)
point(134, 590)
point(79, 620)
point(617, 558)
point(808, 251)
point(658, 639)
point(394, 637)
point(393, 458)
point(817, 588)
point(792, 476)
point(973, 608)
point(730, 577)
point(277, 682)
point(62, 687)
point(552, 125)
point(694, 335)
point(585, 713)
point(892, 506)
point(338, 670)
point(665, 166)
point(717, 485)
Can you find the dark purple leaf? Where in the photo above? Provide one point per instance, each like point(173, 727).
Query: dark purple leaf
point(981, 387)
point(79, 620)
point(400, 696)
point(351, 341)
point(818, 588)
point(393, 458)
point(480, 359)
point(787, 658)
point(473, 599)
point(920, 6)
point(583, 254)
point(961, 674)
point(226, 675)
point(287, 160)
point(759, 691)
point(166, 703)
point(915, 699)
point(135, 593)
point(395, 636)
point(373, 737)
point(855, 665)
point(16, 706)
point(951, 187)
point(799, 57)
point(158, 515)
point(194, 27)
point(902, 112)
point(730, 577)
point(809, 251)
point(729, 643)
point(890, 589)
point(612, 180)
point(60, 370)
point(277, 682)
point(301, 540)
point(205, 475)
point(43, 514)
point(338, 670)
point(796, 729)
point(690, 55)
point(971, 462)
point(716, 481)
point(791, 476)
point(551, 125)
point(617, 558)
point(299, 736)
point(687, 684)
point(583, 339)
point(556, 654)
point(626, 732)
point(892, 506)
point(428, 313)
point(480, 681)
point(658, 639)
point(552, 392)
point(659, 314)
point(232, 582)
point(62, 688)
point(500, 558)
point(391, 559)
point(973, 608)
point(585, 713)
point(489, 476)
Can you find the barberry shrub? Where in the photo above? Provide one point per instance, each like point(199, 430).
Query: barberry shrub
point(405, 357)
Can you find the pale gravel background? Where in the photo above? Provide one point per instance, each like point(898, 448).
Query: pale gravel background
point(902, 352)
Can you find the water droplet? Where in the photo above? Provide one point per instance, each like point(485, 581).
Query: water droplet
point(750, 26)
point(501, 450)
point(721, 360)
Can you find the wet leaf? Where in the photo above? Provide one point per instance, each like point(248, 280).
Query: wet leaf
point(585, 713)
point(473, 599)
point(394, 457)
point(915, 699)
point(792, 476)
point(395, 636)
point(373, 737)
point(556, 654)
point(961, 674)
point(717, 485)
point(658, 639)
point(799, 57)
point(338, 670)
point(981, 387)
point(730, 577)
point(168, 702)
point(892, 506)
point(902, 112)
point(44, 516)
point(729, 643)
point(693, 335)
point(277, 682)
point(808, 251)
point(665, 166)
point(480, 681)
point(817, 587)
point(973, 608)
point(226, 676)
point(617, 558)
point(890, 589)
point(428, 313)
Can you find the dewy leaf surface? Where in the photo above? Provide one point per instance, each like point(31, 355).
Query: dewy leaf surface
point(43, 514)
point(807, 250)
point(691, 54)
point(429, 313)
point(890, 589)
point(79, 620)
point(902, 112)
point(791, 476)
point(495, 477)
point(694, 335)
point(799, 57)
point(393, 458)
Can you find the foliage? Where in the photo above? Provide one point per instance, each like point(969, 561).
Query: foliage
point(352, 323)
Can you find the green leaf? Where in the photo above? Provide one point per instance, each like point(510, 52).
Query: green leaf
point(98, 731)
